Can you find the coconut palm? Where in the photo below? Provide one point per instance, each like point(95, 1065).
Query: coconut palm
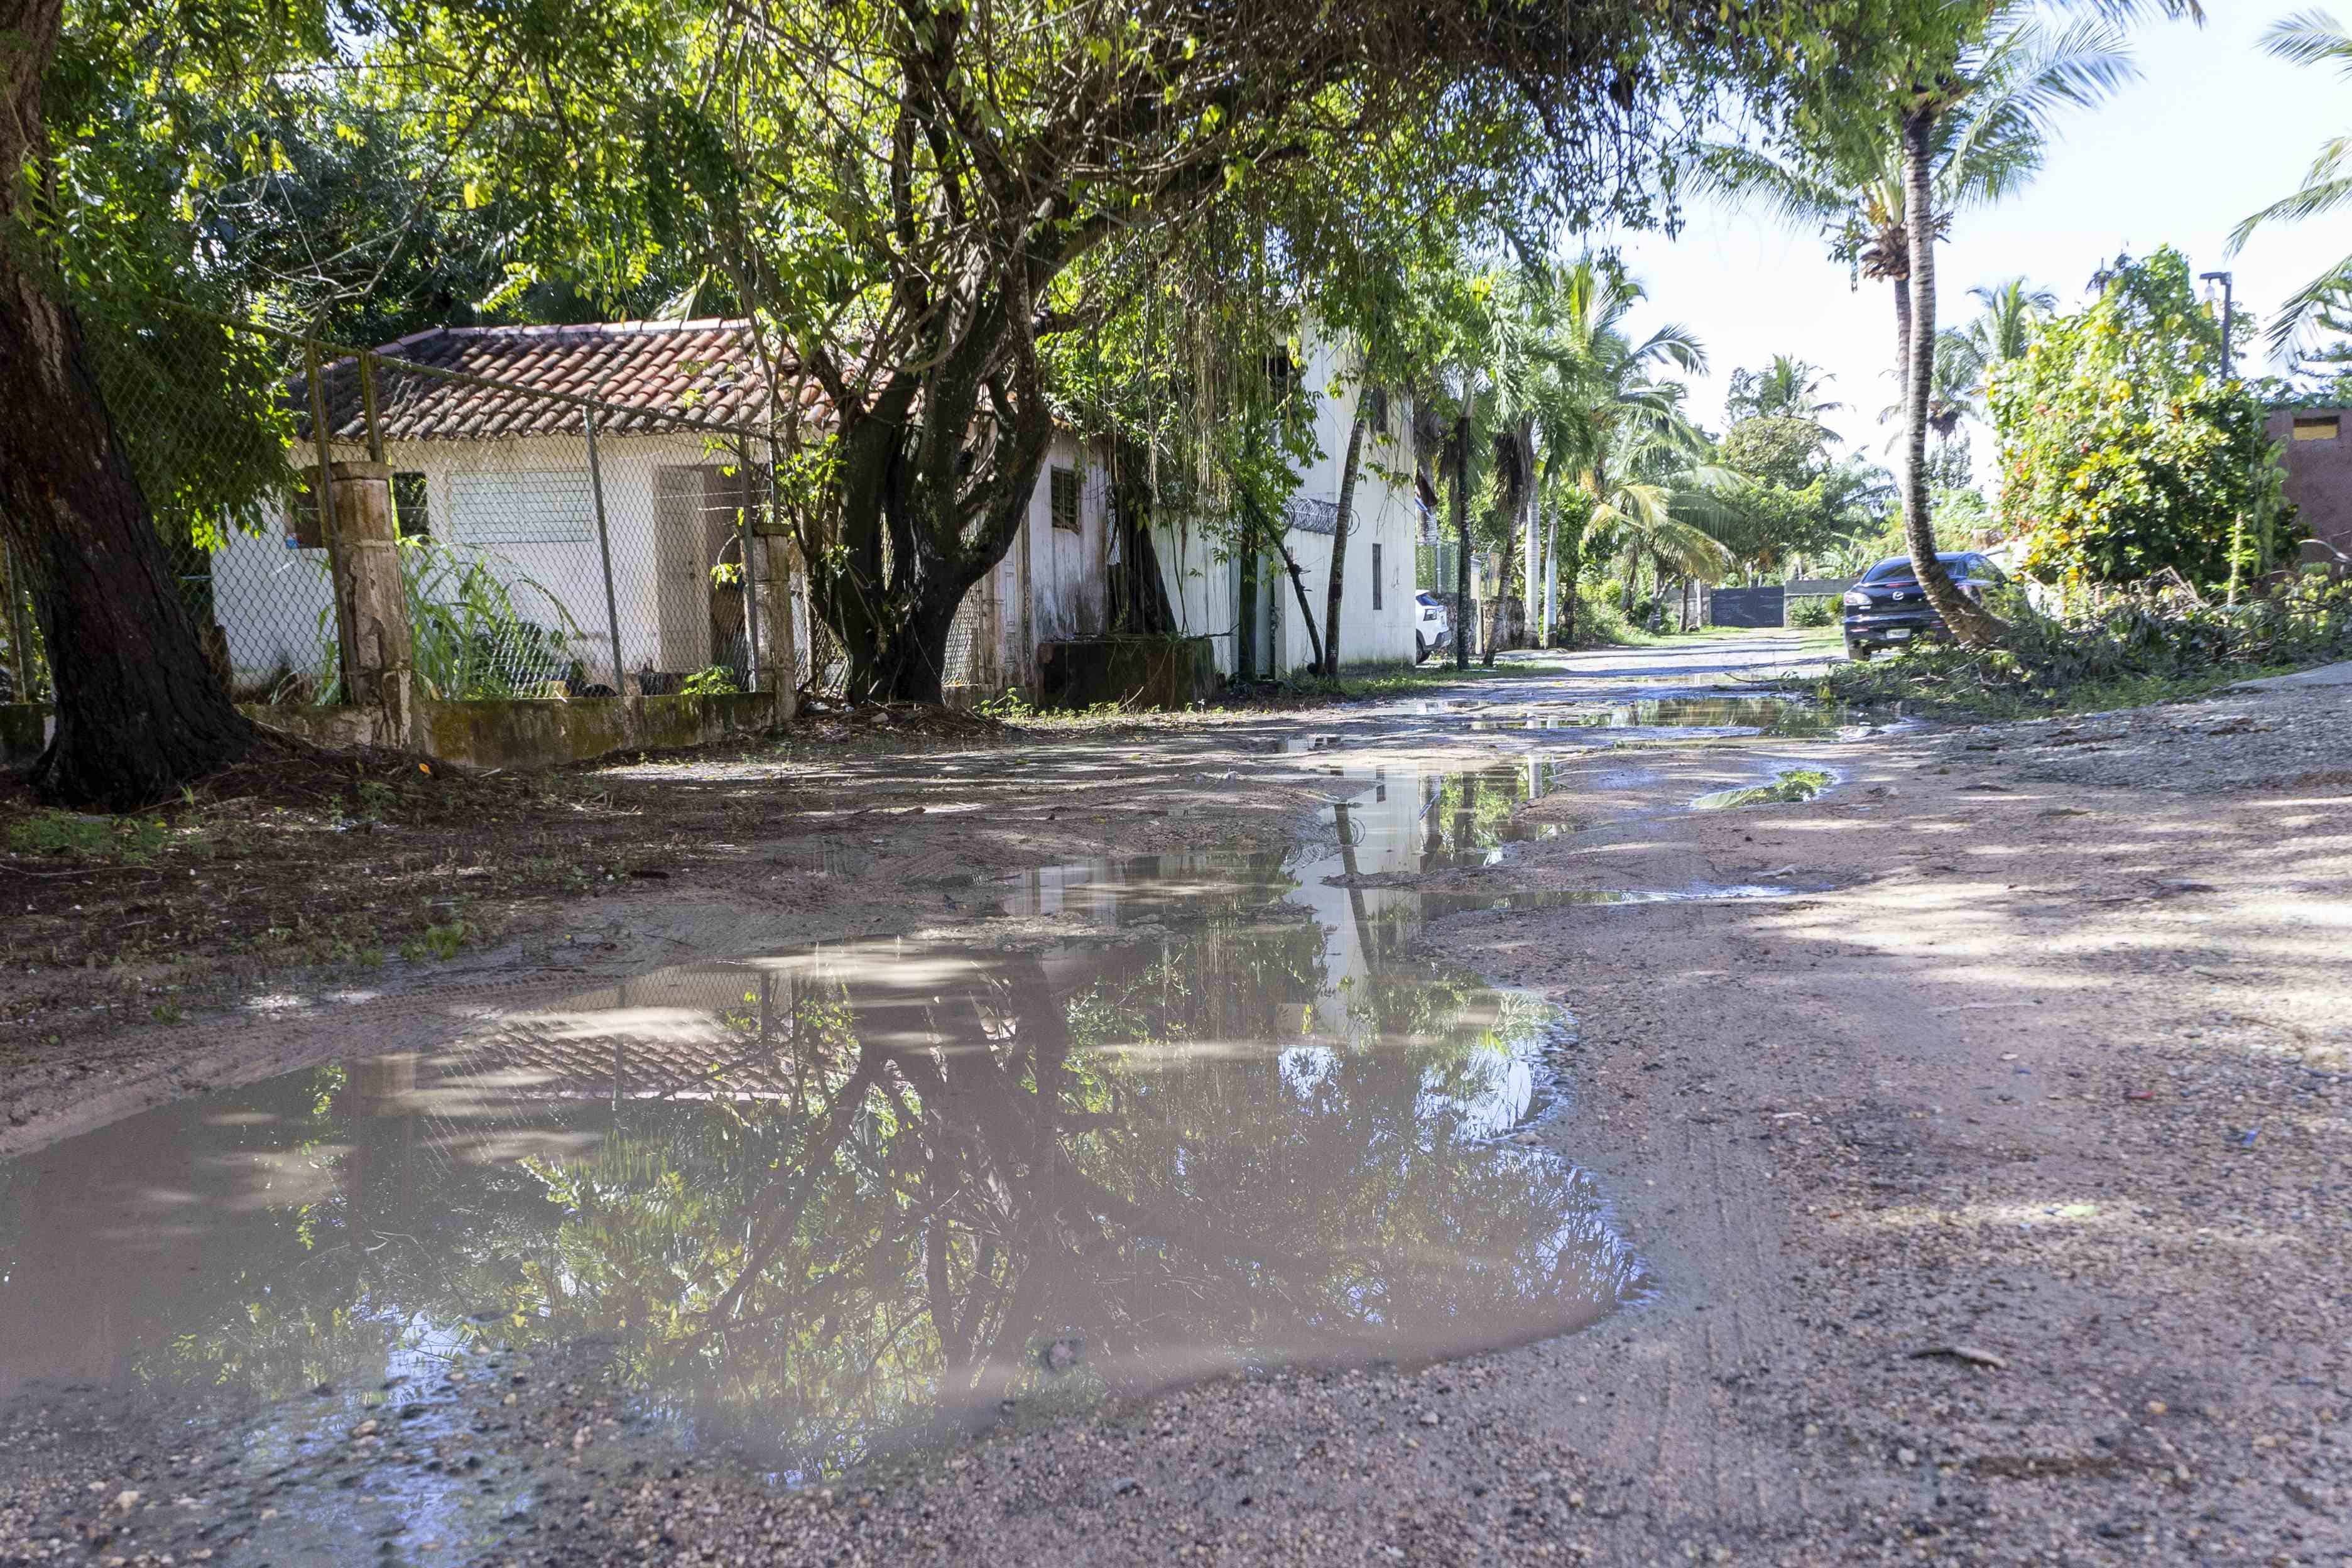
point(1601, 397)
point(2310, 38)
point(1887, 190)
point(1788, 388)
point(2005, 324)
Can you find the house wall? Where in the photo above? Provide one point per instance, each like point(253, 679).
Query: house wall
point(1067, 582)
point(1205, 584)
point(2318, 473)
point(269, 597)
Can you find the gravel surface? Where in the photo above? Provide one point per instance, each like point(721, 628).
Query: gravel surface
point(2278, 738)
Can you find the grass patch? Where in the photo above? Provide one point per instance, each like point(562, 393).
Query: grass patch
point(117, 840)
point(1404, 679)
point(2131, 651)
point(1793, 785)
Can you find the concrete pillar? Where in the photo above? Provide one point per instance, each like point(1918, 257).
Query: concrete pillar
point(780, 666)
point(371, 601)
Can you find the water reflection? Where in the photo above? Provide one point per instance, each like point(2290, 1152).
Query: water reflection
point(863, 1194)
point(1784, 718)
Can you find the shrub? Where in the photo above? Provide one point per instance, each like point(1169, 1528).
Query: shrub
point(2125, 454)
point(2126, 641)
point(716, 681)
point(1815, 611)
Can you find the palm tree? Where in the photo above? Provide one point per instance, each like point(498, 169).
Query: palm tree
point(2310, 38)
point(1600, 397)
point(1887, 190)
point(1788, 388)
point(2005, 324)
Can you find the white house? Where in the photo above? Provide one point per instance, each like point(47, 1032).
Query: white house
point(1205, 583)
point(493, 452)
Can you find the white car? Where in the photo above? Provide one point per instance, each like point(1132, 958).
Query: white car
point(1433, 629)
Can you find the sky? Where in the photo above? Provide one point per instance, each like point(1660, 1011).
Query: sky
point(2213, 129)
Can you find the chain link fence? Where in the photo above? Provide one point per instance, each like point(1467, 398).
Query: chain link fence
point(580, 510)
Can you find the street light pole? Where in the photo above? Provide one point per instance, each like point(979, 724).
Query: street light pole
point(2223, 280)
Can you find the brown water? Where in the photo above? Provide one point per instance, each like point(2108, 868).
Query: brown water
point(858, 1196)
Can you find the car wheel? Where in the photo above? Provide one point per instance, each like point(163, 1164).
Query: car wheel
point(1420, 649)
point(1858, 652)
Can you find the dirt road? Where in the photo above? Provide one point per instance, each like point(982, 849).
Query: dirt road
point(1993, 1187)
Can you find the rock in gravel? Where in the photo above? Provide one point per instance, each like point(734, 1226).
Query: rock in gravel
point(2314, 1498)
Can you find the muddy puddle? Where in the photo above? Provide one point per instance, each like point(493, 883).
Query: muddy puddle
point(856, 1198)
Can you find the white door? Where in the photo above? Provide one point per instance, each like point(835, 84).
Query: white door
point(682, 577)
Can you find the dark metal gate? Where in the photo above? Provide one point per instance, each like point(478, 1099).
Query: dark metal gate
point(1747, 606)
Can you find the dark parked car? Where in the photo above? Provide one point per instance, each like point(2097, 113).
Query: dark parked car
point(1888, 608)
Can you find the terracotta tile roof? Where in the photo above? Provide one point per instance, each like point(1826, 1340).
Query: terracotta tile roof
point(659, 371)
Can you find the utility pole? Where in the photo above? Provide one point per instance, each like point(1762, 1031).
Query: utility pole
point(2228, 311)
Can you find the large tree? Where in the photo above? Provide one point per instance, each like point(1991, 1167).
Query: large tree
point(903, 193)
point(127, 132)
point(139, 710)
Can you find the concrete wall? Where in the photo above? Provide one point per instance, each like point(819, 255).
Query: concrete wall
point(534, 734)
point(2318, 472)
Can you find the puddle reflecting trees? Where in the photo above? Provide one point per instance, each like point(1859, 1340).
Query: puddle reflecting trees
point(863, 1194)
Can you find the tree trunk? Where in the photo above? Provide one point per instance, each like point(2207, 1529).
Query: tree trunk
point(1246, 628)
point(1569, 598)
point(1902, 349)
point(1306, 613)
point(1548, 523)
point(1965, 618)
point(912, 660)
point(139, 710)
point(1531, 553)
point(1499, 598)
point(1339, 549)
point(1462, 541)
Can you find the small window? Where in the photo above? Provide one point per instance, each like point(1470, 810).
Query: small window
point(1376, 410)
point(2325, 427)
point(410, 517)
point(1281, 375)
point(1066, 498)
point(1376, 576)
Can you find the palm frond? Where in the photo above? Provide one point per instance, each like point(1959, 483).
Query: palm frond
point(1788, 192)
point(2302, 308)
point(2326, 187)
point(2310, 38)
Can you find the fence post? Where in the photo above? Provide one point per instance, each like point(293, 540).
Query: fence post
point(768, 542)
point(604, 548)
point(321, 486)
point(776, 614)
point(371, 600)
